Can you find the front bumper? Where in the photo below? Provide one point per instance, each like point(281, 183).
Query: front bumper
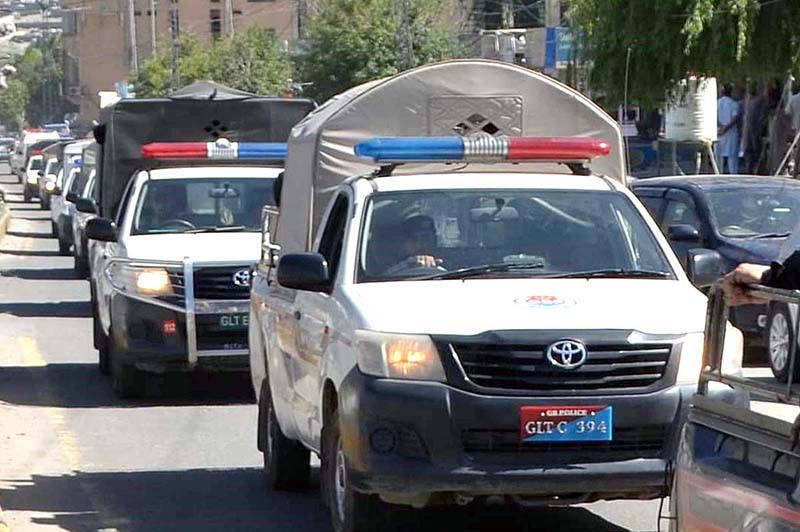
point(142, 327)
point(414, 443)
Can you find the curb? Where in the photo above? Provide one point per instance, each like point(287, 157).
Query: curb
point(3, 525)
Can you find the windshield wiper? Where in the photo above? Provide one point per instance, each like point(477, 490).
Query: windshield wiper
point(476, 271)
point(615, 272)
point(215, 229)
point(768, 235)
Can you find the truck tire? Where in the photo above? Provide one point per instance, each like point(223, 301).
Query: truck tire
point(123, 376)
point(287, 464)
point(26, 195)
point(53, 229)
point(351, 511)
point(81, 266)
point(780, 337)
point(101, 342)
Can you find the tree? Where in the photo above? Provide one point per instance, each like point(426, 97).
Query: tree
point(349, 42)
point(251, 61)
point(13, 102)
point(40, 70)
point(670, 39)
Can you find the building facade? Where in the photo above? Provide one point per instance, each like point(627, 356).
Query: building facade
point(104, 40)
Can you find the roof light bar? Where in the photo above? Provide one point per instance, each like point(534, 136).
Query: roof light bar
point(482, 149)
point(222, 149)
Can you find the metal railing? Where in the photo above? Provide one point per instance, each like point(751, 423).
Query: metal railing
point(716, 321)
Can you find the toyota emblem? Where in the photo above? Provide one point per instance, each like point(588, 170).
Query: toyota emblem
point(567, 354)
point(242, 278)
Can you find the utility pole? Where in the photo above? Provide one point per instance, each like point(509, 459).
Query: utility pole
point(229, 15)
point(132, 36)
point(508, 14)
point(175, 33)
point(153, 43)
point(404, 37)
point(552, 13)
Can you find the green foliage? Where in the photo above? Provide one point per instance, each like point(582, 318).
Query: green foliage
point(353, 41)
point(251, 61)
point(670, 39)
point(13, 102)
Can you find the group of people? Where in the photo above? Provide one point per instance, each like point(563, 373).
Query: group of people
point(756, 125)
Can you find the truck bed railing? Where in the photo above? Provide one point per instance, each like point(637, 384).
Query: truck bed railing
point(767, 388)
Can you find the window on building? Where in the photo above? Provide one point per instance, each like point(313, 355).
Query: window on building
point(216, 23)
point(69, 22)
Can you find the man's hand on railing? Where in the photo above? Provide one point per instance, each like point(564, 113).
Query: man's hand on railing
point(736, 282)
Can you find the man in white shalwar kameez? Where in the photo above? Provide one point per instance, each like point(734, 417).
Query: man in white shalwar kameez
point(727, 148)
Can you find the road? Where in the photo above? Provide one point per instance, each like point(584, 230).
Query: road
point(75, 458)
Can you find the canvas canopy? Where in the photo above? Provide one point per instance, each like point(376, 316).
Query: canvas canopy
point(456, 97)
point(201, 112)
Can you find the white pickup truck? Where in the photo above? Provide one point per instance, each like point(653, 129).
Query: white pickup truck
point(443, 318)
point(170, 276)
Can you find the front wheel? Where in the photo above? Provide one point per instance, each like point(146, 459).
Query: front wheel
point(780, 338)
point(123, 375)
point(351, 511)
point(287, 464)
point(26, 196)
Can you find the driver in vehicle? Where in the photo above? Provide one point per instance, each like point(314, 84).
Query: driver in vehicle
point(418, 234)
point(162, 207)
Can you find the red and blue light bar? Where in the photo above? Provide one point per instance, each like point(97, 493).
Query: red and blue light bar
point(221, 149)
point(482, 149)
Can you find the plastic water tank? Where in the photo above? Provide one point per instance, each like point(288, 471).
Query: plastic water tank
point(692, 114)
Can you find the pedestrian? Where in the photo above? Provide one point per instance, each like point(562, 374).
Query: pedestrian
point(792, 110)
point(755, 125)
point(728, 118)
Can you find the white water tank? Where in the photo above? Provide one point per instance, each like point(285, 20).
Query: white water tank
point(692, 113)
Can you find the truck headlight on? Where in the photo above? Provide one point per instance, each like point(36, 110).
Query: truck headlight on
point(399, 356)
point(691, 355)
point(153, 281)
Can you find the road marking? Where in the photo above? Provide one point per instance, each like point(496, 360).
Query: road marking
point(31, 356)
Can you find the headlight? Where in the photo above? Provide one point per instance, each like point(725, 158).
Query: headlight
point(153, 281)
point(399, 356)
point(691, 355)
point(50, 186)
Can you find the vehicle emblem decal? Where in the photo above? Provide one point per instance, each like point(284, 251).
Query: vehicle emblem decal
point(242, 278)
point(567, 354)
point(545, 301)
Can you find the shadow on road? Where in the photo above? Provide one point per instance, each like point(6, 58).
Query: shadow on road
point(203, 500)
point(60, 309)
point(44, 274)
point(83, 386)
point(24, 234)
point(30, 252)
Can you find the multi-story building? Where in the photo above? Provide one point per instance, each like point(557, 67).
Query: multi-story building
point(104, 40)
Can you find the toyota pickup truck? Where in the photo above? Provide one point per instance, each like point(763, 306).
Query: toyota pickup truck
point(462, 299)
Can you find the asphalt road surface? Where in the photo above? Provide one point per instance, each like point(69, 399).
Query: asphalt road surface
point(73, 457)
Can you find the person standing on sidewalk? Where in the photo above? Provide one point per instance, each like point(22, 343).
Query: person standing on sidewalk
point(728, 118)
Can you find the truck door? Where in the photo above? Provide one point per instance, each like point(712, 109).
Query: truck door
point(738, 467)
point(314, 324)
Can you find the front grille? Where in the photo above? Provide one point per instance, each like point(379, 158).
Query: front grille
point(217, 283)
point(628, 443)
point(526, 368)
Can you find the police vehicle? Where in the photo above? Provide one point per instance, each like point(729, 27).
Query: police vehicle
point(462, 299)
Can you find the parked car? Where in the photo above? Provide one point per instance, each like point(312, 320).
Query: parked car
point(743, 218)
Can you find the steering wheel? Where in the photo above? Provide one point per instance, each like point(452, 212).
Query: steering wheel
point(178, 221)
point(412, 268)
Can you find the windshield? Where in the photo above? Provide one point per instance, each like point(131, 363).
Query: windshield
point(758, 211)
point(513, 233)
point(52, 167)
point(36, 163)
point(179, 205)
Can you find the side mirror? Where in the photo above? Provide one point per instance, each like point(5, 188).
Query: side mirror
point(101, 229)
point(86, 205)
point(41, 173)
point(704, 267)
point(304, 271)
point(683, 233)
point(72, 197)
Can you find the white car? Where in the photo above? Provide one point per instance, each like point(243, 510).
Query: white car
point(32, 175)
point(85, 210)
point(170, 278)
point(47, 182)
point(61, 210)
point(18, 159)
